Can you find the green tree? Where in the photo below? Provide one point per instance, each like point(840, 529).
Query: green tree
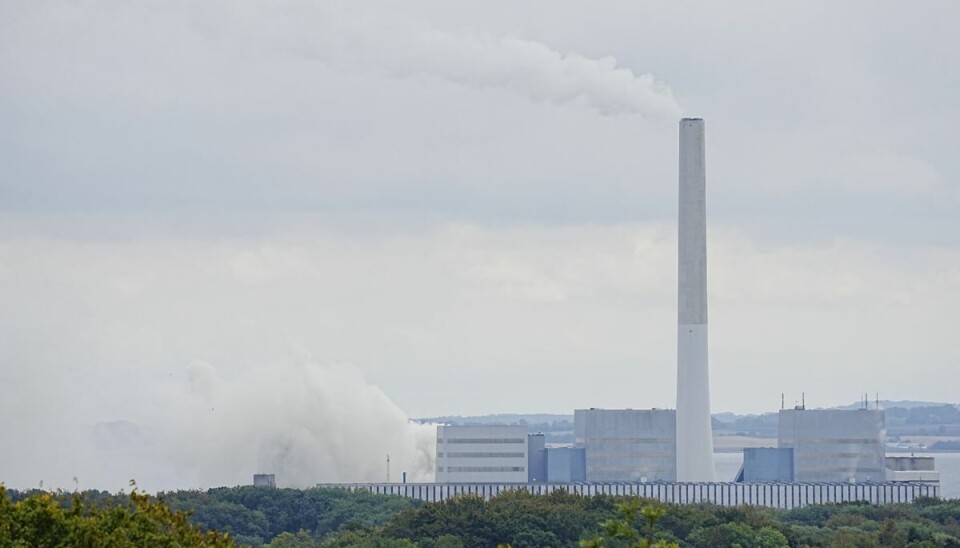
point(623, 531)
point(365, 539)
point(891, 536)
point(40, 520)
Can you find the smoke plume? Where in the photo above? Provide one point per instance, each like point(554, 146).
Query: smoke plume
point(305, 423)
point(482, 60)
point(385, 38)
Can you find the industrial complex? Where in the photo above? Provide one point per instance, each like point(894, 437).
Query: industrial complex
point(639, 446)
point(820, 455)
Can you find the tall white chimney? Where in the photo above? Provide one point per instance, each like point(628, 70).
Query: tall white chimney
point(694, 430)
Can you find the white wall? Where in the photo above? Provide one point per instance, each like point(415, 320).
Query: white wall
point(481, 454)
point(627, 444)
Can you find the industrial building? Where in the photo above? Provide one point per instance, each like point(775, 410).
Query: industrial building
point(823, 445)
point(264, 480)
point(536, 458)
point(627, 444)
point(911, 468)
point(821, 455)
point(834, 444)
point(766, 464)
point(481, 454)
point(566, 465)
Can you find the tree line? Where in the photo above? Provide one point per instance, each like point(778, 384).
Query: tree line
point(294, 518)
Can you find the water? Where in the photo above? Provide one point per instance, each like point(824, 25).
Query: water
point(727, 465)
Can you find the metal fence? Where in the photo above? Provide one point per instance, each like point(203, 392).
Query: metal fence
point(773, 495)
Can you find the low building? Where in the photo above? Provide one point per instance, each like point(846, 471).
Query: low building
point(566, 465)
point(766, 464)
point(481, 454)
point(264, 480)
point(833, 445)
point(627, 444)
point(911, 468)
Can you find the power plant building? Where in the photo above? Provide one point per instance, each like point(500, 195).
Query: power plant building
point(536, 458)
point(766, 464)
point(911, 468)
point(264, 480)
point(627, 444)
point(566, 465)
point(481, 454)
point(831, 445)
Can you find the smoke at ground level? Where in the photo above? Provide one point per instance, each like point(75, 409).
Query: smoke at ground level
point(306, 423)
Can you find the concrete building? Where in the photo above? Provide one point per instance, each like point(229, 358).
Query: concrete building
point(264, 480)
point(911, 468)
point(536, 458)
point(832, 445)
point(766, 464)
point(627, 444)
point(694, 435)
point(481, 454)
point(566, 465)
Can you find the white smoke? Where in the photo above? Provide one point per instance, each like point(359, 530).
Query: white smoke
point(482, 60)
point(385, 38)
point(305, 423)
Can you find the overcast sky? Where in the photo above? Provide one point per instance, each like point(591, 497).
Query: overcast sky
point(473, 205)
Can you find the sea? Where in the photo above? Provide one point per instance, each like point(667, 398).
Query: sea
point(948, 464)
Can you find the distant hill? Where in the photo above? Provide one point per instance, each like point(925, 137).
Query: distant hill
point(556, 428)
point(502, 418)
point(904, 417)
point(888, 404)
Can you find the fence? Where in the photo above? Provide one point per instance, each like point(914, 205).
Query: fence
point(773, 495)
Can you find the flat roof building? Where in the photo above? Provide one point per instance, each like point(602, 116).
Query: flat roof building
point(766, 464)
point(833, 445)
point(481, 454)
point(627, 444)
point(911, 468)
point(264, 480)
point(566, 465)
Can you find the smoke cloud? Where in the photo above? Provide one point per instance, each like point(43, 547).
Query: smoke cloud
point(482, 60)
point(383, 38)
point(306, 423)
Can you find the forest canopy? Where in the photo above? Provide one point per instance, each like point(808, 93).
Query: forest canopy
point(320, 517)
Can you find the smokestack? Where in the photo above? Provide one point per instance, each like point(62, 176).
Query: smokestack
point(694, 430)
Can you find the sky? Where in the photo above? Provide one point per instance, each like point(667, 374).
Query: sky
point(292, 210)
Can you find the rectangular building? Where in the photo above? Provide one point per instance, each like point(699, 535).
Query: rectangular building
point(766, 464)
point(481, 454)
point(566, 465)
point(627, 444)
point(536, 458)
point(833, 445)
point(264, 480)
point(911, 468)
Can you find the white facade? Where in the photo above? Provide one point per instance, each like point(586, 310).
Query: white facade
point(912, 468)
point(694, 435)
point(481, 454)
point(627, 444)
point(835, 445)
